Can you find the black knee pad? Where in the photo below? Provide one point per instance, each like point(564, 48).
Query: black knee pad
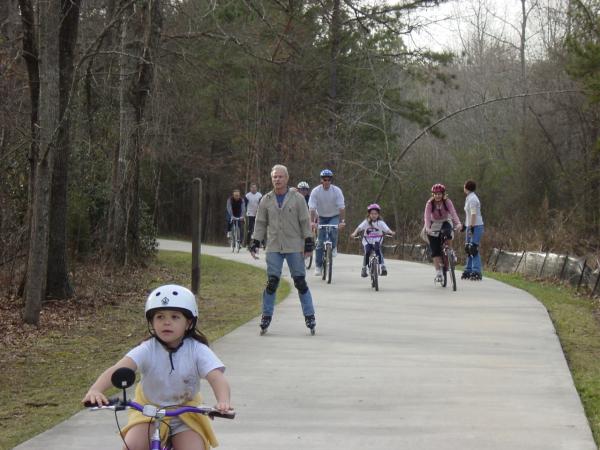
point(300, 284)
point(272, 284)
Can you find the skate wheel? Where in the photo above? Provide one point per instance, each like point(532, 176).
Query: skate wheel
point(312, 331)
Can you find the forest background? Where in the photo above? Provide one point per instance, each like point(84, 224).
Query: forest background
point(110, 108)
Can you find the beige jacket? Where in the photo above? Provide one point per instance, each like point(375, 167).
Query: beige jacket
point(284, 228)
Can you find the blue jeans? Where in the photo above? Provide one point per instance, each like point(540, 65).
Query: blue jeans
point(335, 220)
point(295, 262)
point(474, 262)
point(372, 247)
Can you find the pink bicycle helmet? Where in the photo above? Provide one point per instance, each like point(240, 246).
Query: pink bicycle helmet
point(438, 187)
point(373, 206)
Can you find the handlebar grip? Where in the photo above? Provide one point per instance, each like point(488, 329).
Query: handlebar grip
point(111, 401)
point(228, 415)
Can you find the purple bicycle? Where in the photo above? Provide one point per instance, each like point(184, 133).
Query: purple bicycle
point(124, 378)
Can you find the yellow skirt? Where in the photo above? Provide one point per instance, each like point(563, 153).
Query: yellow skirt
point(197, 422)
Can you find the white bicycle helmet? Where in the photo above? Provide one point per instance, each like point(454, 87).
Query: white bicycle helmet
point(303, 185)
point(172, 296)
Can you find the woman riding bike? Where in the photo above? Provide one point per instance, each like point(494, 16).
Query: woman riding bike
point(440, 219)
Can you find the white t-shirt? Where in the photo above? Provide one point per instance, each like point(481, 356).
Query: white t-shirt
point(253, 200)
point(327, 202)
point(163, 386)
point(373, 232)
point(473, 206)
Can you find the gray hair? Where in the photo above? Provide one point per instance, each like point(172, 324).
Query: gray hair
point(280, 167)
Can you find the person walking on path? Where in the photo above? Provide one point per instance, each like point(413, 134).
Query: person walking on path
point(327, 207)
point(171, 361)
point(474, 228)
point(440, 219)
point(282, 218)
point(252, 199)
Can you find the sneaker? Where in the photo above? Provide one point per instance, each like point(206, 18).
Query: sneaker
point(363, 272)
point(334, 252)
point(466, 275)
point(318, 271)
point(228, 234)
point(438, 279)
point(383, 271)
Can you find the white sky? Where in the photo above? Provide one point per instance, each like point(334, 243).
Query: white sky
point(450, 20)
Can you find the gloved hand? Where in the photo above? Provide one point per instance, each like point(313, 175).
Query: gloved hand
point(254, 246)
point(309, 245)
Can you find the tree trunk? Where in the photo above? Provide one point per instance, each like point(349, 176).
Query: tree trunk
point(58, 283)
point(30, 54)
point(35, 288)
point(140, 33)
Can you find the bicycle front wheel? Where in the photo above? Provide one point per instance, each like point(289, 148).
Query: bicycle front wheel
point(330, 265)
point(445, 270)
point(375, 274)
point(325, 265)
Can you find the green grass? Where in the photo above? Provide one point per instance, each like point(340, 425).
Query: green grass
point(576, 320)
point(48, 370)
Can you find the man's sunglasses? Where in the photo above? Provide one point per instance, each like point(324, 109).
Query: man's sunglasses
point(325, 179)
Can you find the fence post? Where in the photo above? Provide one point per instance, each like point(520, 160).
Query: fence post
point(518, 263)
point(582, 272)
point(497, 258)
point(543, 264)
point(562, 271)
point(596, 285)
point(196, 233)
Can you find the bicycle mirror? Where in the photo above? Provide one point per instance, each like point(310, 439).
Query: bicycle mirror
point(123, 377)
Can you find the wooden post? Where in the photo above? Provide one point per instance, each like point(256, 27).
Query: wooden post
point(582, 272)
point(543, 264)
point(497, 258)
point(196, 233)
point(562, 271)
point(519, 263)
point(596, 285)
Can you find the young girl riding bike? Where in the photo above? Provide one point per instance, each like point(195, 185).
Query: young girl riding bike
point(171, 361)
point(440, 219)
point(373, 228)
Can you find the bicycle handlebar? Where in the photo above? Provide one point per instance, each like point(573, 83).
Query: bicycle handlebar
point(153, 411)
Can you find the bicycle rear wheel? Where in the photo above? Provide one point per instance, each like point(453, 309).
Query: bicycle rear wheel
point(452, 264)
point(330, 265)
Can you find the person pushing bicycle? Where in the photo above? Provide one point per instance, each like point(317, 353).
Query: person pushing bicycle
point(440, 218)
point(373, 229)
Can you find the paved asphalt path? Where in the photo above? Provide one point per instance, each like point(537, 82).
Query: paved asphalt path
point(413, 366)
